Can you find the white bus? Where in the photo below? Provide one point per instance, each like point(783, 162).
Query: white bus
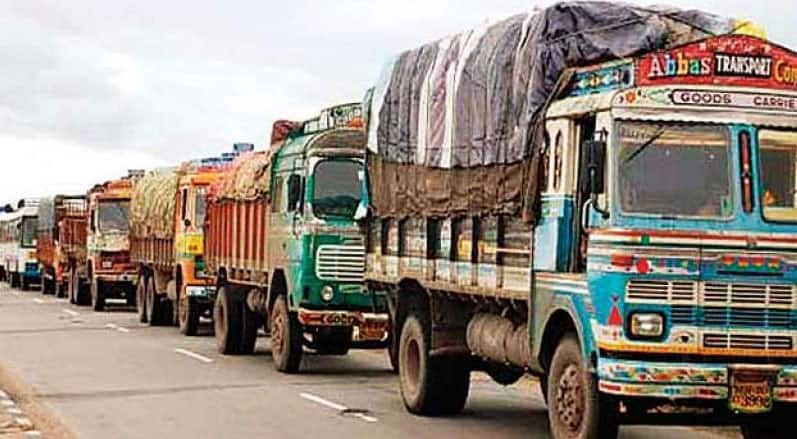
point(18, 246)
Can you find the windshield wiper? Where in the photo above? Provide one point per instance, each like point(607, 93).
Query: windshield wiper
point(644, 145)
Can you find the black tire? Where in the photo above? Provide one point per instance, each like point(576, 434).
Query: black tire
point(543, 382)
point(430, 386)
point(188, 316)
point(25, 283)
point(250, 322)
point(227, 321)
point(14, 280)
point(98, 295)
point(392, 350)
point(576, 410)
point(43, 285)
point(60, 289)
point(158, 312)
point(286, 337)
point(70, 288)
point(141, 299)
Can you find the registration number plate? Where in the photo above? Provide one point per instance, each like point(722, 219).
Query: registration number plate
point(751, 391)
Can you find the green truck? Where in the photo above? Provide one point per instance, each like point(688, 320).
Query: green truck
point(284, 246)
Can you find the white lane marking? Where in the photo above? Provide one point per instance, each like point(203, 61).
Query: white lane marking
point(335, 406)
point(34, 433)
point(70, 312)
point(193, 355)
point(7, 403)
point(13, 411)
point(37, 300)
point(117, 327)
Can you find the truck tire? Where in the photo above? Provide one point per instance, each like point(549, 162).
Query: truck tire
point(576, 409)
point(60, 289)
point(430, 386)
point(250, 322)
point(227, 321)
point(188, 316)
point(286, 337)
point(70, 288)
point(158, 313)
point(141, 299)
point(392, 348)
point(14, 280)
point(97, 295)
point(25, 283)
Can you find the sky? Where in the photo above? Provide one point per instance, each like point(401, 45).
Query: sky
point(92, 88)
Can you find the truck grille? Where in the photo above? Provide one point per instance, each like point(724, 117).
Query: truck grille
point(747, 341)
point(757, 295)
point(344, 263)
point(661, 290)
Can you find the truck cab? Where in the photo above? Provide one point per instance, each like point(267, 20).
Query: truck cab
point(109, 270)
point(318, 187)
point(668, 234)
point(18, 233)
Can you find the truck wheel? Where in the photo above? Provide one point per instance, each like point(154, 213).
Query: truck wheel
point(60, 289)
point(767, 427)
point(43, 286)
point(286, 338)
point(429, 386)
point(188, 316)
point(141, 299)
point(227, 316)
point(14, 280)
point(392, 349)
point(158, 313)
point(70, 288)
point(97, 295)
point(250, 323)
point(25, 283)
point(576, 410)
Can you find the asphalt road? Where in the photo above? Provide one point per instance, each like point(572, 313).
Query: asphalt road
point(105, 375)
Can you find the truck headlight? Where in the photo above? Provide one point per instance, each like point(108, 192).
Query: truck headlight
point(648, 325)
point(327, 293)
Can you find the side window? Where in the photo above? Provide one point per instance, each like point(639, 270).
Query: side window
point(277, 195)
point(184, 204)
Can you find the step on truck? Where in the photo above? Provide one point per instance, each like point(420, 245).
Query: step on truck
point(285, 249)
point(18, 244)
point(105, 271)
point(168, 211)
point(61, 233)
point(629, 237)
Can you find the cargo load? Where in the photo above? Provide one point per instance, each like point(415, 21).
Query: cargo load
point(454, 124)
point(152, 204)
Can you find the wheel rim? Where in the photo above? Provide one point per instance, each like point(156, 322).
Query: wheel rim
point(570, 398)
point(278, 335)
point(412, 364)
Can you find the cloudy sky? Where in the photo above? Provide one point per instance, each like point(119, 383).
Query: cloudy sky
point(91, 88)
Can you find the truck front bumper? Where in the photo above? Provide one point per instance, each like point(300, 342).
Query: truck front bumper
point(708, 381)
point(367, 326)
point(117, 277)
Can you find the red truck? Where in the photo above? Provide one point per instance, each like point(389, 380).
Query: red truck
point(61, 236)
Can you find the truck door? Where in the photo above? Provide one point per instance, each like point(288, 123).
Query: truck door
point(585, 130)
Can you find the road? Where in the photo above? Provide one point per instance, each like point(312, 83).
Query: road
point(104, 375)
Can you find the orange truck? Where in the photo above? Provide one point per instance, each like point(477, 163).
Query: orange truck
point(61, 236)
point(168, 212)
point(105, 271)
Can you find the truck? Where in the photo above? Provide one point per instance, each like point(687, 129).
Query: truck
point(105, 271)
point(61, 222)
point(168, 211)
point(18, 245)
point(285, 250)
point(622, 228)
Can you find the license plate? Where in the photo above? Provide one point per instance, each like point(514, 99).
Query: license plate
point(751, 391)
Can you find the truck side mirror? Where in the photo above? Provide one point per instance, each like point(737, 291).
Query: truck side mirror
point(596, 160)
point(294, 191)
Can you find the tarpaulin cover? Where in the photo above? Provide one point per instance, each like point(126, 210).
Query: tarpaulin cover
point(454, 125)
point(152, 204)
point(247, 178)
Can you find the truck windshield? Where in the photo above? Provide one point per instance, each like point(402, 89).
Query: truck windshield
point(114, 215)
point(338, 188)
point(674, 170)
point(28, 231)
point(778, 151)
